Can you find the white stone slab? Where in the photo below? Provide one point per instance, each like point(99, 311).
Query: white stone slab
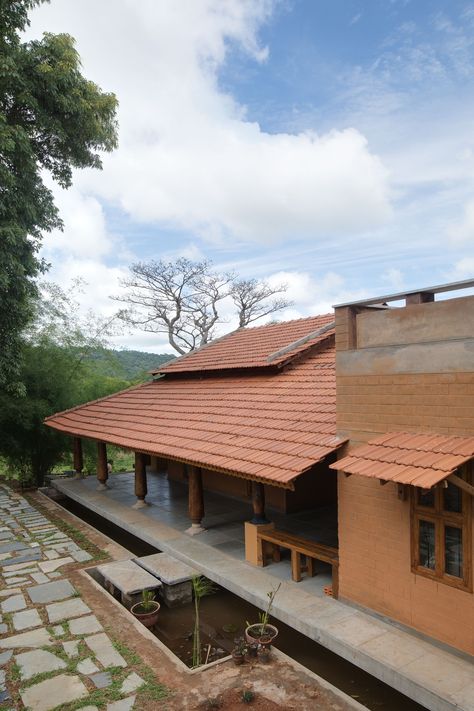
point(131, 683)
point(25, 619)
point(71, 648)
point(48, 694)
point(85, 625)
point(48, 566)
point(128, 577)
point(87, 666)
point(122, 705)
point(168, 569)
point(35, 638)
point(104, 650)
point(38, 662)
point(14, 603)
point(58, 611)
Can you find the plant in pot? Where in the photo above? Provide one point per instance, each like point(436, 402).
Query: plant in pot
point(239, 651)
point(147, 609)
point(261, 631)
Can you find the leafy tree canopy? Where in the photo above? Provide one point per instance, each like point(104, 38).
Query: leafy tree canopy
point(52, 120)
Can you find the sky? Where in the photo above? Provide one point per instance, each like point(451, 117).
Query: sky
point(326, 144)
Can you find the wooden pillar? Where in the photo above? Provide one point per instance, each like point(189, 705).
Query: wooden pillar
point(77, 457)
point(102, 470)
point(258, 503)
point(196, 501)
point(140, 480)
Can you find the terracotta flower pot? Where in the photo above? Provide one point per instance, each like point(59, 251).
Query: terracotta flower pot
point(238, 658)
point(146, 617)
point(253, 633)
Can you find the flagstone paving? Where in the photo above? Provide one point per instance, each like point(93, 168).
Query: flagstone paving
point(47, 630)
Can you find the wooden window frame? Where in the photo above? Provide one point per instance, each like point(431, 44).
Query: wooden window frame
point(441, 519)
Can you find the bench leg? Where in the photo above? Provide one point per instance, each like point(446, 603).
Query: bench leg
point(276, 553)
point(260, 552)
point(296, 566)
point(335, 581)
point(310, 566)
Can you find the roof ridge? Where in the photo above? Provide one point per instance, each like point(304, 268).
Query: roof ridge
point(301, 342)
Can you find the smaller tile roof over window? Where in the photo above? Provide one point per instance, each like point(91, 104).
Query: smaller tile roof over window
point(418, 459)
point(258, 347)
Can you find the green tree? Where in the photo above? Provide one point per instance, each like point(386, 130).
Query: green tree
point(56, 374)
point(52, 120)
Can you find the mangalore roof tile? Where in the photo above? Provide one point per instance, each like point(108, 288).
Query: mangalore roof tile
point(270, 424)
point(409, 458)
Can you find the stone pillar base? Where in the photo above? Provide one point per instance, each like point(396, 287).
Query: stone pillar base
point(78, 475)
point(195, 529)
point(140, 504)
point(253, 550)
point(101, 486)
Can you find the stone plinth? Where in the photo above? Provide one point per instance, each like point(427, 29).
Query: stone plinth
point(125, 580)
point(175, 576)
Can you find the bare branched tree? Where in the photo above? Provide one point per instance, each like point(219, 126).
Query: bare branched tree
point(182, 299)
point(251, 298)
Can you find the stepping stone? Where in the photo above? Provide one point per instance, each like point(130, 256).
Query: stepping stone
point(32, 555)
point(26, 618)
point(3, 629)
point(50, 592)
point(85, 625)
point(35, 638)
point(89, 708)
point(17, 581)
point(71, 648)
point(4, 696)
point(81, 556)
point(5, 657)
point(104, 650)
point(48, 566)
point(38, 662)
point(19, 566)
point(131, 683)
point(7, 574)
point(51, 554)
point(5, 535)
point(176, 577)
point(123, 705)
point(128, 578)
point(59, 611)
point(55, 575)
point(40, 577)
point(58, 631)
point(12, 546)
point(48, 694)
point(14, 603)
point(6, 593)
point(102, 680)
point(168, 569)
point(87, 666)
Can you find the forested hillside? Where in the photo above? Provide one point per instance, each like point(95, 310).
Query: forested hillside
point(128, 365)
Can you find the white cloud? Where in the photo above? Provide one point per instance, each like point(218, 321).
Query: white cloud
point(463, 230)
point(188, 157)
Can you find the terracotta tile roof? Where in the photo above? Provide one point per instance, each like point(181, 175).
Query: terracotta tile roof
point(258, 347)
point(418, 459)
point(269, 426)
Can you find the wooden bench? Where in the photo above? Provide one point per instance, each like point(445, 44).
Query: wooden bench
point(270, 542)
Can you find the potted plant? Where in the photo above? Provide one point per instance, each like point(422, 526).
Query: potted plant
point(239, 651)
point(261, 631)
point(264, 654)
point(252, 649)
point(147, 609)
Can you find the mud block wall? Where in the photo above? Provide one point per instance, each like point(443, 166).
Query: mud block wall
point(404, 369)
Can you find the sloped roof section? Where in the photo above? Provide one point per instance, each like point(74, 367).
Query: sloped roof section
point(418, 459)
point(266, 426)
point(262, 346)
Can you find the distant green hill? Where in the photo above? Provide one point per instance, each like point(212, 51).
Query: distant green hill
point(128, 365)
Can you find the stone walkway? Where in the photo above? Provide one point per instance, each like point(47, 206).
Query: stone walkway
point(54, 653)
